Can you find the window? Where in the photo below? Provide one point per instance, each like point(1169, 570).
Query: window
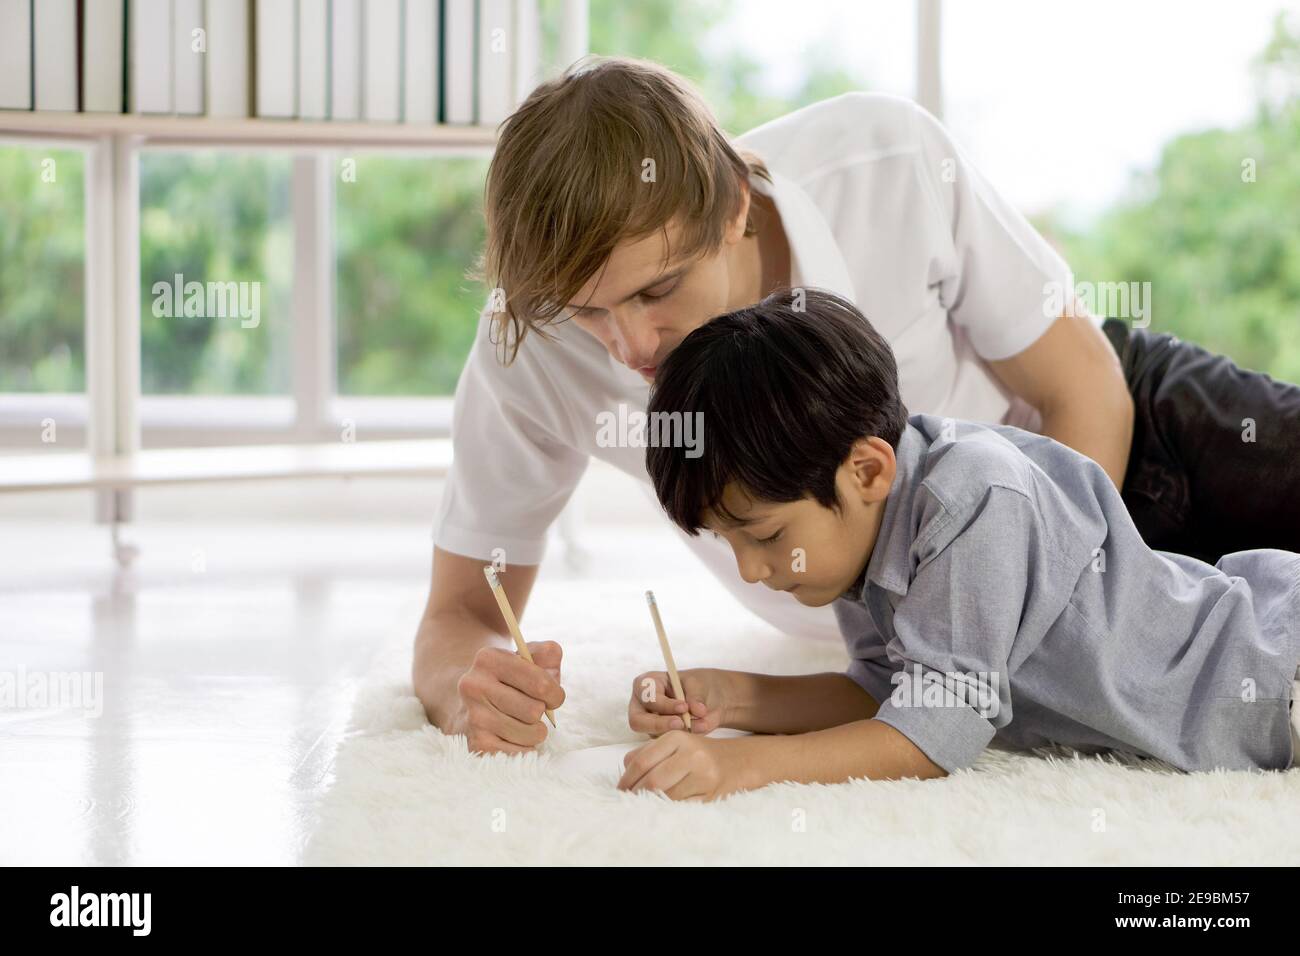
point(226, 353)
point(42, 270)
point(216, 270)
point(407, 230)
point(1164, 169)
point(753, 60)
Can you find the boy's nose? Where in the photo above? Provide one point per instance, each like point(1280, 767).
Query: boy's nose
point(753, 569)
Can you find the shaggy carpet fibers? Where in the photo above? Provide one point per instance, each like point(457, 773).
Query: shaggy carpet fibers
point(404, 793)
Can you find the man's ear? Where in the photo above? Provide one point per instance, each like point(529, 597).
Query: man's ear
point(736, 228)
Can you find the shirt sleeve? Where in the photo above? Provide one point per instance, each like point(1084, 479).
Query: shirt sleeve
point(955, 628)
point(512, 471)
point(994, 278)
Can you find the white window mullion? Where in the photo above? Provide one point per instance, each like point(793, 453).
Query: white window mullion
point(128, 383)
point(100, 300)
point(574, 32)
point(314, 362)
point(929, 35)
point(112, 308)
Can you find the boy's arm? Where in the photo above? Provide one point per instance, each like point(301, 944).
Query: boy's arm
point(864, 748)
point(771, 704)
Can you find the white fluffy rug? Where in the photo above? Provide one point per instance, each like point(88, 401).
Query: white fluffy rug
point(404, 793)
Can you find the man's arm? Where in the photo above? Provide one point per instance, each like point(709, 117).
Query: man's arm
point(465, 670)
point(771, 704)
point(1073, 377)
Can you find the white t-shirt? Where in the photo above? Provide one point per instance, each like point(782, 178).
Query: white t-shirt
point(878, 205)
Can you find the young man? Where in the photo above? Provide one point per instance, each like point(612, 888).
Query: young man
point(620, 218)
point(989, 582)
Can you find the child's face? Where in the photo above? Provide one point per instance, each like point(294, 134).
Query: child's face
point(813, 552)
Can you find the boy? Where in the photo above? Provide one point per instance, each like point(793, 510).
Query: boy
point(987, 581)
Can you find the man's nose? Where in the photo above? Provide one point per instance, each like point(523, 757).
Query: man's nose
point(636, 338)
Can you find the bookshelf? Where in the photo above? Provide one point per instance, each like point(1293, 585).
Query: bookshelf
point(200, 130)
point(166, 113)
point(402, 458)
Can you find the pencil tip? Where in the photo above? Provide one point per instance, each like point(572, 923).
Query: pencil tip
point(650, 598)
point(491, 574)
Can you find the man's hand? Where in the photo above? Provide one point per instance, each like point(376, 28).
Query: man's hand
point(505, 697)
point(654, 710)
point(464, 667)
point(690, 767)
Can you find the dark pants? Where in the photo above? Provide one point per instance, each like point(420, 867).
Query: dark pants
point(1196, 484)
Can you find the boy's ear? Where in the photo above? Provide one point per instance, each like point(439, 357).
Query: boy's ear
point(873, 465)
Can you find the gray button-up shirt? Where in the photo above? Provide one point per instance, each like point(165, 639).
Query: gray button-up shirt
point(1009, 595)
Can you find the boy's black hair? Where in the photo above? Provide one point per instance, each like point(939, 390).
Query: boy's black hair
point(784, 394)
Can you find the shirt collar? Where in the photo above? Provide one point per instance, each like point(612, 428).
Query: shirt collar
point(815, 258)
point(890, 564)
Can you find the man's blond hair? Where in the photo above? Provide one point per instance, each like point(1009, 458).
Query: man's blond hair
point(613, 150)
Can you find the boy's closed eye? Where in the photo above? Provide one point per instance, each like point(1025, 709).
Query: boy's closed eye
point(770, 539)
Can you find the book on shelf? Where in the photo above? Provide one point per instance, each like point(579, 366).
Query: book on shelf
point(103, 56)
point(458, 61)
point(149, 55)
point(419, 62)
point(54, 55)
point(496, 60)
point(381, 55)
point(420, 66)
point(276, 32)
point(16, 54)
point(189, 46)
point(229, 60)
point(345, 60)
point(528, 49)
point(313, 59)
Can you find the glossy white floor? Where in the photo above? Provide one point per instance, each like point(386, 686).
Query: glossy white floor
point(229, 655)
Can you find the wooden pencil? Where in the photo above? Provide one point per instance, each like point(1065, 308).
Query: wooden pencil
point(668, 655)
point(508, 613)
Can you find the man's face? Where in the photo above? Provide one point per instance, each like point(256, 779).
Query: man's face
point(812, 552)
point(639, 308)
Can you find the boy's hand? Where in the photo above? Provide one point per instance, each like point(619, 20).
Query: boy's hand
point(654, 710)
point(688, 766)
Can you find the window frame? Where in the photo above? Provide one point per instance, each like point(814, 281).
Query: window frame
point(313, 411)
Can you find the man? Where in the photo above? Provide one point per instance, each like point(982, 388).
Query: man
point(620, 218)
